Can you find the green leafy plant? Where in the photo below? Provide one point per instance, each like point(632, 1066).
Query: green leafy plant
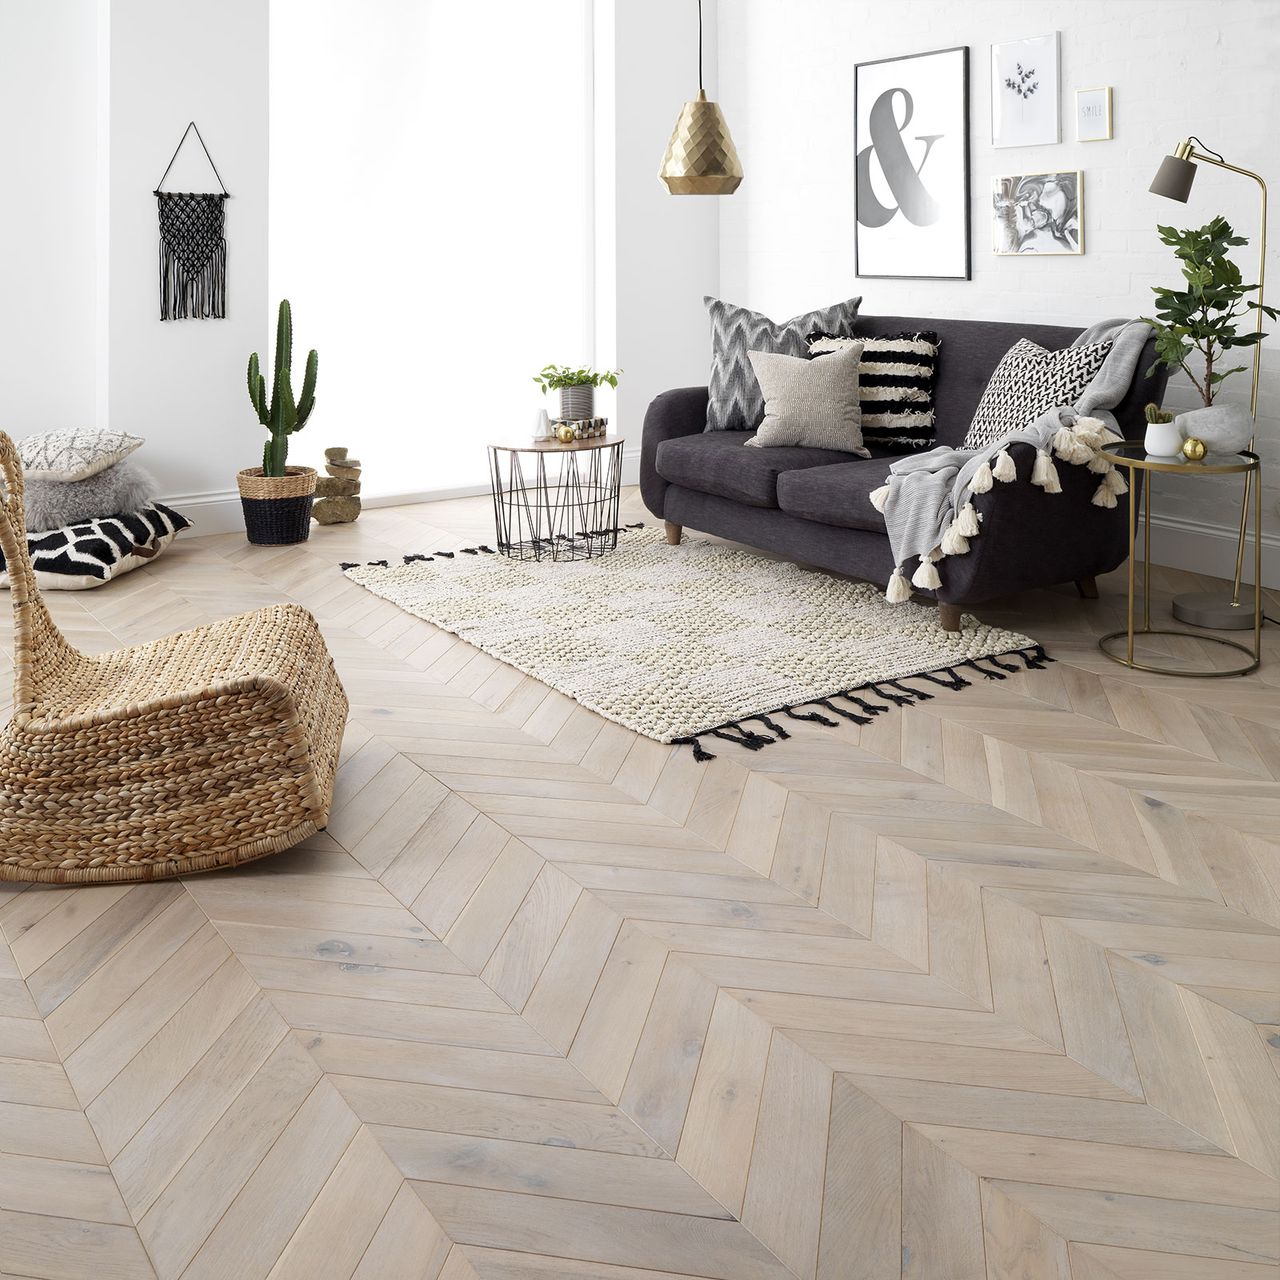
point(1202, 317)
point(282, 415)
point(555, 377)
point(1154, 413)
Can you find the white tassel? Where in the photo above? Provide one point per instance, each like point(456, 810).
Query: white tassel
point(954, 543)
point(898, 589)
point(1063, 441)
point(1045, 474)
point(1099, 465)
point(1004, 470)
point(1079, 454)
point(878, 497)
point(967, 521)
point(1108, 437)
point(926, 575)
point(1103, 497)
point(1090, 431)
point(982, 479)
point(1116, 483)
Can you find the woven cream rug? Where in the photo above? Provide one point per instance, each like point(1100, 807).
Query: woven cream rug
point(700, 639)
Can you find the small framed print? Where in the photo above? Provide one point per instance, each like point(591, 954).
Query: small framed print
point(1024, 92)
point(1040, 213)
point(1093, 115)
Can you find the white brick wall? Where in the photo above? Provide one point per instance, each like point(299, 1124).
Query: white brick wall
point(1177, 67)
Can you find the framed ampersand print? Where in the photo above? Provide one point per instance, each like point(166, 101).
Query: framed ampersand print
point(911, 184)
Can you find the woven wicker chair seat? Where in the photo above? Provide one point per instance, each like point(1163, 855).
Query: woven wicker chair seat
point(201, 750)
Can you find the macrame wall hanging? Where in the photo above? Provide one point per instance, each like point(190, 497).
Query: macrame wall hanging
point(193, 250)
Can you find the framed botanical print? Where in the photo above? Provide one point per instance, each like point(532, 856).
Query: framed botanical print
point(1038, 213)
point(1093, 114)
point(911, 183)
point(1024, 92)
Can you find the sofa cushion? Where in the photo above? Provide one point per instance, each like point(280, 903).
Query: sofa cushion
point(838, 495)
point(718, 462)
point(735, 402)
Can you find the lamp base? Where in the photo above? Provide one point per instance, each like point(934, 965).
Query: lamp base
point(1214, 610)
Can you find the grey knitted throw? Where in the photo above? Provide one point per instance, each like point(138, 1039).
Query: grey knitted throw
point(926, 501)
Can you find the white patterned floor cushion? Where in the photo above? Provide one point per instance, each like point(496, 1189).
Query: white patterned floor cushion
point(87, 555)
point(74, 455)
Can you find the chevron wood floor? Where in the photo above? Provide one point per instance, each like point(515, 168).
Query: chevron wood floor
point(986, 990)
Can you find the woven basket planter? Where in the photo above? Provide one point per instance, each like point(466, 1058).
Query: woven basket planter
point(277, 509)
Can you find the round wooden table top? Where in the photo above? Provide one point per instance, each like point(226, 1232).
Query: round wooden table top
point(554, 446)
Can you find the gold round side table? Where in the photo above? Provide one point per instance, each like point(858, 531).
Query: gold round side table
point(1133, 456)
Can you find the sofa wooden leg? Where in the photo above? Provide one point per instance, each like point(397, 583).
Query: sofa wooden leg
point(949, 616)
point(673, 532)
point(1088, 588)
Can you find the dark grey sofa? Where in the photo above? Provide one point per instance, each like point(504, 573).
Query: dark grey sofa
point(812, 505)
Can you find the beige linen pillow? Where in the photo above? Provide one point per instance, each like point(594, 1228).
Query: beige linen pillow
point(811, 403)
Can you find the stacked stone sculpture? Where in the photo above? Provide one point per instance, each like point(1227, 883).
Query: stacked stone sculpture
point(338, 493)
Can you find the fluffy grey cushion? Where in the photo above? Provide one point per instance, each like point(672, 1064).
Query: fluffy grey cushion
point(811, 403)
point(735, 403)
point(119, 490)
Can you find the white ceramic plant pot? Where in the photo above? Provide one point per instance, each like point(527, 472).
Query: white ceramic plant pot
point(577, 404)
point(1224, 428)
point(1163, 439)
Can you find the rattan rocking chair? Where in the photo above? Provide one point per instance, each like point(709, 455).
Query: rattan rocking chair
point(202, 750)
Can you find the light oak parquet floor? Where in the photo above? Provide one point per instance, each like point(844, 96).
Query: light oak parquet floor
point(988, 989)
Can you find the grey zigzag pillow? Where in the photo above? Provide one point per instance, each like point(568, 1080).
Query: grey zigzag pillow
point(736, 403)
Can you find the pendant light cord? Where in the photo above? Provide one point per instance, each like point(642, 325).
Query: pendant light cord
point(700, 46)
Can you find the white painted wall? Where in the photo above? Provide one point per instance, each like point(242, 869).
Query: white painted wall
point(1178, 67)
point(666, 247)
point(48, 274)
point(180, 383)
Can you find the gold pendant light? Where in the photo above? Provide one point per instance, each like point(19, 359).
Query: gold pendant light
point(701, 159)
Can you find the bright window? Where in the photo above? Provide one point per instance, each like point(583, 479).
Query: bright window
point(430, 221)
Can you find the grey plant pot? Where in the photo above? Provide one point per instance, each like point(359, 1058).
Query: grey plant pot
point(577, 403)
point(1224, 428)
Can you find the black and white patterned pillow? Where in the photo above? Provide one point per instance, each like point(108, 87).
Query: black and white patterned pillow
point(895, 386)
point(87, 555)
point(736, 403)
point(1027, 381)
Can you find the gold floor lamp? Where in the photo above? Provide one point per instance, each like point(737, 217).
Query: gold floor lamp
point(1177, 172)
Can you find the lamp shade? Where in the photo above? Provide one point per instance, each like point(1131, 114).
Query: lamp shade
point(701, 159)
point(1174, 178)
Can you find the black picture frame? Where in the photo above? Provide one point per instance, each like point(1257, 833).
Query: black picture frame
point(964, 255)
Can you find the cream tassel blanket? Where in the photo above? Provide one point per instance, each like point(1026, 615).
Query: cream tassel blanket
point(927, 501)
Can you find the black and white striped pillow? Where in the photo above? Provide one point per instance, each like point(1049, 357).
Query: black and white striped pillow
point(895, 384)
point(89, 554)
point(1028, 381)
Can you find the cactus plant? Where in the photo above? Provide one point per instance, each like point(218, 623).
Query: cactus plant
point(282, 415)
point(1154, 413)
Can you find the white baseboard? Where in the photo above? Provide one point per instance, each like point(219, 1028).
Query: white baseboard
point(1210, 549)
point(219, 511)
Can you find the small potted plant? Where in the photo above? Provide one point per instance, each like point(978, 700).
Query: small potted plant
point(276, 497)
point(1198, 323)
point(577, 388)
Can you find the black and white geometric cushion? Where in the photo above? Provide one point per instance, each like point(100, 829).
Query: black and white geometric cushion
point(895, 385)
point(1027, 381)
point(74, 455)
point(87, 555)
point(736, 403)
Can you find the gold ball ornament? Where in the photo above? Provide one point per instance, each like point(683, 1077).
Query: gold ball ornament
point(564, 433)
point(1193, 449)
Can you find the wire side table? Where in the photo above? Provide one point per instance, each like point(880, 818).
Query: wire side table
point(554, 501)
point(1132, 455)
